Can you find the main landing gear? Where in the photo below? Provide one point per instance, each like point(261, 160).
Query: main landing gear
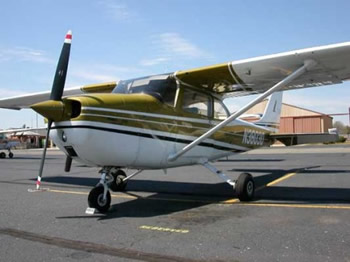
point(244, 185)
point(111, 178)
point(3, 154)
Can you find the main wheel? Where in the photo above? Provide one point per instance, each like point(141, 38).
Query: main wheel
point(118, 184)
point(95, 199)
point(2, 155)
point(10, 155)
point(245, 187)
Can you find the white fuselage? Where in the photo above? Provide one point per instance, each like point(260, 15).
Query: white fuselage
point(101, 144)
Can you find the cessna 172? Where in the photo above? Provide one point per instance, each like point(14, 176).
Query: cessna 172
point(176, 119)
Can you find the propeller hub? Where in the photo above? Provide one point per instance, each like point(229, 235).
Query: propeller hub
point(53, 110)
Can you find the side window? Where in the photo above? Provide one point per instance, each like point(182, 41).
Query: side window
point(219, 110)
point(195, 103)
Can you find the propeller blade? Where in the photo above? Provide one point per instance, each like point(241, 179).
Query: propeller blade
point(68, 164)
point(56, 94)
point(61, 70)
point(38, 182)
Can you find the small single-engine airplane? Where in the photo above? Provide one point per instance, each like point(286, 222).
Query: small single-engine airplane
point(11, 138)
point(6, 144)
point(176, 119)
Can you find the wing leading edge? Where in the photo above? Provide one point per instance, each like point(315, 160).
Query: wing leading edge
point(24, 101)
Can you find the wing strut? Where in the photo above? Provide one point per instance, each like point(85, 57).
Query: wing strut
point(308, 64)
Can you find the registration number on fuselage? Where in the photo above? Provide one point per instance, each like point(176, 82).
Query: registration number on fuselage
point(252, 137)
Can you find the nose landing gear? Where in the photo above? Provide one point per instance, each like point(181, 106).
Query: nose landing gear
point(111, 178)
point(100, 197)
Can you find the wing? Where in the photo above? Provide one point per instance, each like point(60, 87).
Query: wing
point(24, 101)
point(25, 131)
point(256, 75)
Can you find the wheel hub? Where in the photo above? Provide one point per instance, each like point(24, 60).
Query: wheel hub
point(101, 202)
point(250, 187)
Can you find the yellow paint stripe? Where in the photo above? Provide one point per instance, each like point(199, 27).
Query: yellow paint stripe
point(233, 201)
point(132, 197)
point(165, 229)
point(281, 179)
point(295, 205)
point(230, 201)
point(68, 192)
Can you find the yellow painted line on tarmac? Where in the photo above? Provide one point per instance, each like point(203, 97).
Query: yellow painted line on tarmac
point(230, 201)
point(68, 192)
point(165, 229)
point(295, 205)
point(233, 201)
point(281, 179)
point(87, 193)
point(132, 197)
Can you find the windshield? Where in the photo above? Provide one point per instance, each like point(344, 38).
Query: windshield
point(162, 87)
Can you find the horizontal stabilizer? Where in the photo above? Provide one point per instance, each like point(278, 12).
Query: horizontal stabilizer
point(299, 139)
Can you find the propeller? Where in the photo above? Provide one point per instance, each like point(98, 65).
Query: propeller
point(55, 98)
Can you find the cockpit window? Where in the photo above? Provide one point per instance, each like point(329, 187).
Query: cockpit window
point(195, 102)
point(162, 87)
point(220, 111)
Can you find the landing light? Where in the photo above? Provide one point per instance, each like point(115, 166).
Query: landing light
point(64, 136)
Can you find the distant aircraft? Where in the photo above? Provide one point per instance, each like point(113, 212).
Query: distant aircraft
point(176, 119)
point(11, 138)
point(7, 144)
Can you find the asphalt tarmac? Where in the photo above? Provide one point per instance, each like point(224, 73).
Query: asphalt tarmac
point(301, 211)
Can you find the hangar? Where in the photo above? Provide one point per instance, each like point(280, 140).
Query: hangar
point(295, 119)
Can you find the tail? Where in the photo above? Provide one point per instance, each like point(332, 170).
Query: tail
point(271, 116)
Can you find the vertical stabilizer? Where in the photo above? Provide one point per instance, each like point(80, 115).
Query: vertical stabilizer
point(271, 116)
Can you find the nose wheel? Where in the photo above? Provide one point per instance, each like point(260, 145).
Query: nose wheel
point(99, 197)
point(111, 178)
point(97, 200)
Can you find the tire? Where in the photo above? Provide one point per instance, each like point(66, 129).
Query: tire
point(245, 187)
point(95, 199)
point(10, 155)
point(118, 184)
point(2, 155)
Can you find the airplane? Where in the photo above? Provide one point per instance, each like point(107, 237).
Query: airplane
point(174, 119)
point(11, 138)
point(7, 144)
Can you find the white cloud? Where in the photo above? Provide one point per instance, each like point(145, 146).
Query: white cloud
point(80, 73)
point(116, 10)
point(24, 54)
point(154, 61)
point(173, 44)
point(173, 47)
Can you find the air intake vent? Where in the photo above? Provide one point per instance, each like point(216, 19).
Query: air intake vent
point(71, 152)
point(76, 109)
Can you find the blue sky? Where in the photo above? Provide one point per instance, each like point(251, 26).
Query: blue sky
point(124, 39)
